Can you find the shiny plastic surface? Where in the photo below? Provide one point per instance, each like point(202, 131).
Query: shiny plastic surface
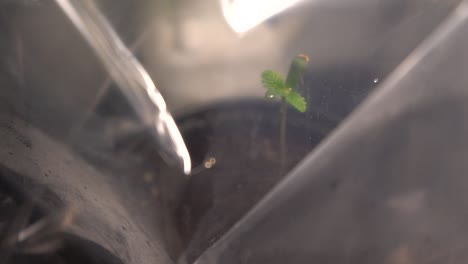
point(387, 186)
point(373, 170)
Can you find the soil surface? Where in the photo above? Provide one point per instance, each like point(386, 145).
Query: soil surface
point(243, 140)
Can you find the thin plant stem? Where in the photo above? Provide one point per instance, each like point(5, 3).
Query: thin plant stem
point(283, 135)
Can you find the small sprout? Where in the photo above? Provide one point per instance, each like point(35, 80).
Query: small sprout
point(278, 88)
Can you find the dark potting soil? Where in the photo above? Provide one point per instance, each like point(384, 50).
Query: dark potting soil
point(243, 139)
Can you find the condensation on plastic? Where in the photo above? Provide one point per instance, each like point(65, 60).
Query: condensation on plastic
point(388, 186)
point(131, 77)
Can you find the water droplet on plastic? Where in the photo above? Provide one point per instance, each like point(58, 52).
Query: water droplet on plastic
point(209, 163)
point(376, 80)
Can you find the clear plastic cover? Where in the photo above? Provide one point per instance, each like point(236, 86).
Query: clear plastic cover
point(316, 131)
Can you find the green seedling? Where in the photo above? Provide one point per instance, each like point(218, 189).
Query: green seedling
point(285, 90)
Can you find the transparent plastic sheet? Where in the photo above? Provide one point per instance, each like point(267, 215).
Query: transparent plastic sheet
point(127, 201)
point(371, 38)
point(69, 171)
point(131, 78)
point(388, 186)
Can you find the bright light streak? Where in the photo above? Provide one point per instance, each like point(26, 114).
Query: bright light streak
point(243, 15)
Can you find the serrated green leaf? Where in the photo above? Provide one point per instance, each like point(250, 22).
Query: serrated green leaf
point(297, 101)
point(276, 87)
point(273, 82)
